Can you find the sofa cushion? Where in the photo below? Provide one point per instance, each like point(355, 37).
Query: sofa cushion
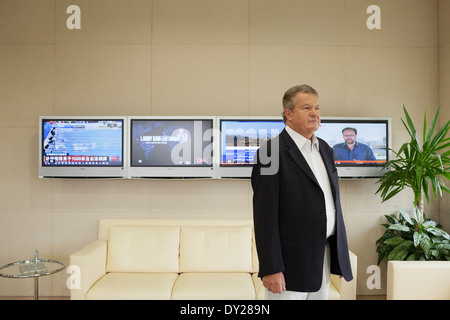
point(214, 286)
point(143, 249)
point(216, 249)
point(333, 293)
point(260, 291)
point(133, 286)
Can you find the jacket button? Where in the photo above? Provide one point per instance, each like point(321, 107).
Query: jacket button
point(324, 213)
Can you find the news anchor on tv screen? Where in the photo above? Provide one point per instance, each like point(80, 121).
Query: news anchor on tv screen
point(351, 149)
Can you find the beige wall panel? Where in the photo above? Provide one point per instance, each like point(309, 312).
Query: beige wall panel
point(361, 198)
point(297, 22)
point(274, 69)
point(444, 212)
point(20, 188)
point(23, 233)
point(238, 215)
point(36, 234)
point(207, 197)
point(444, 101)
point(444, 82)
point(404, 23)
point(444, 22)
point(199, 80)
point(27, 21)
point(381, 80)
point(26, 84)
point(100, 196)
point(102, 79)
point(105, 21)
point(200, 22)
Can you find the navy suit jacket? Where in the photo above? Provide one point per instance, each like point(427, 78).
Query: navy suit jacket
point(290, 218)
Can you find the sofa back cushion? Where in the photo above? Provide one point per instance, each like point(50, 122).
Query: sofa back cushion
point(216, 249)
point(143, 249)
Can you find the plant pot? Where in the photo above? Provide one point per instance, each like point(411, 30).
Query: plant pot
point(418, 280)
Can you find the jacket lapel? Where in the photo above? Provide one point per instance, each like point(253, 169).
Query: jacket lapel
point(329, 166)
point(297, 156)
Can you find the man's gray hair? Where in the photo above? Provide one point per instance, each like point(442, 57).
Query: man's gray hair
point(289, 96)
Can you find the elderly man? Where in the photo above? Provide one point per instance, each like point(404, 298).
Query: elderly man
point(299, 228)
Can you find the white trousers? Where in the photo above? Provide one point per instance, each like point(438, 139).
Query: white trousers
point(322, 294)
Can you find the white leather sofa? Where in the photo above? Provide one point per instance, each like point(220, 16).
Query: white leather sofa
point(418, 280)
point(176, 259)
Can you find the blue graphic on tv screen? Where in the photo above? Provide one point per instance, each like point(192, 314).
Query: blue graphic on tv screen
point(171, 143)
point(82, 143)
point(240, 139)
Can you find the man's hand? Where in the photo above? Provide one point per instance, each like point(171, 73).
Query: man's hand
point(274, 282)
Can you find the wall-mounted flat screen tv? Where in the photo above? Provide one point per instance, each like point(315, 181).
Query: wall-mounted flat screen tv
point(171, 147)
point(240, 138)
point(82, 147)
point(360, 145)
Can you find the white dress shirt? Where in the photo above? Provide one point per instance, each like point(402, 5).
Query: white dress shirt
point(310, 150)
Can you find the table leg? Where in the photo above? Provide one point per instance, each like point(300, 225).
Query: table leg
point(36, 288)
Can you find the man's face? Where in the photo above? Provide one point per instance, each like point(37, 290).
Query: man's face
point(349, 136)
point(305, 118)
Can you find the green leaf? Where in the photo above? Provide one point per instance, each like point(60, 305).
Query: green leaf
point(400, 251)
point(385, 225)
point(425, 244)
point(435, 253)
point(394, 241)
point(401, 255)
point(406, 216)
point(438, 232)
point(432, 126)
point(425, 127)
point(391, 219)
point(399, 227)
point(417, 215)
point(417, 237)
point(383, 250)
point(411, 257)
point(445, 246)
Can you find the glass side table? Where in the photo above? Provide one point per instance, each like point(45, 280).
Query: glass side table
point(33, 268)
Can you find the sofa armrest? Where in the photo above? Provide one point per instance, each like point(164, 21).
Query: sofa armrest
point(347, 290)
point(91, 261)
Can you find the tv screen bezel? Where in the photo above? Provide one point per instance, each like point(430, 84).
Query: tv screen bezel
point(171, 171)
point(82, 171)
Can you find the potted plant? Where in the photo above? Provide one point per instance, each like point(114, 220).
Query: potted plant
point(421, 167)
point(418, 166)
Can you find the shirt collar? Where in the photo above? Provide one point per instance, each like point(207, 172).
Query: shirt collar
point(301, 141)
point(356, 145)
